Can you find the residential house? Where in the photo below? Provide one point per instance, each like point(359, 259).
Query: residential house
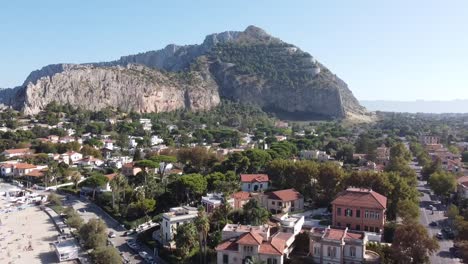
point(283, 201)
point(53, 138)
point(213, 200)
point(129, 169)
point(290, 223)
point(156, 140)
point(90, 161)
point(254, 182)
point(429, 140)
point(382, 155)
point(360, 209)
point(108, 144)
point(16, 153)
point(21, 169)
point(340, 246)
point(171, 220)
point(71, 157)
point(462, 187)
point(146, 123)
point(6, 168)
point(242, 244)
point(241, 198)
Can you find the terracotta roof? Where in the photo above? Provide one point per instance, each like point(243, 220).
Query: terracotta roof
point(35, 173)
point(352, 235)
point(250, 238)
point(24, 166)
point(254, 178)
point(17, 151)
point(227, 245)
point(128, 165)
point(285, 195)
point(241, 195)
point(111, 176)
point(269, 249)
point(361, 198)
point(334, 234)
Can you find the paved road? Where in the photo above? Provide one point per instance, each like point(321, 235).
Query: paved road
point(443, 256)
point(88, 210)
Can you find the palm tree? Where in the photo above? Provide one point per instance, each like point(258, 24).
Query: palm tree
point(202, 224)
point(121, 184)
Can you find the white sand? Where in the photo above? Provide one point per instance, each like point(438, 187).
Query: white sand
point(20, 229)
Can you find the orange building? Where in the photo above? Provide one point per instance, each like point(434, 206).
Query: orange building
point(360, 209)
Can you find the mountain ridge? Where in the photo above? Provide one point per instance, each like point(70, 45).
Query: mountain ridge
point(283, 78)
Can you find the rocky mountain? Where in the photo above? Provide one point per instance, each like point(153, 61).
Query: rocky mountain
point(249, 66)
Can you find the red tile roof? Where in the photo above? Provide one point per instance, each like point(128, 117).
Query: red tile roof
point(24, 166)
point(241, 195)
point(17, 151)
point(254, 178)
point(361, 198)
point(250, 238)
point(111, 176)
point(334, 234)
point(269, 249)
point(228, 245)
point(352, 235)
point(285, 195)
point(35, 173)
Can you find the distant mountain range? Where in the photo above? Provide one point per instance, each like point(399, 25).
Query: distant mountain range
point(419, 106)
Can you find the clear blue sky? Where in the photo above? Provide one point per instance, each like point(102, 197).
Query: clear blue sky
point(399, 49)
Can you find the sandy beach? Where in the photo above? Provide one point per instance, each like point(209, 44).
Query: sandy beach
point(25, 236)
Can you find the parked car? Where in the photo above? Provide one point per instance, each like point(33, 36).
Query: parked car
point(133, 245)
point(149, 259)
point(439, 235)
point(455, 252)
point(433, 223)
point(143, 254)
point(111, 234)
point(129, 232)
point(125, 259)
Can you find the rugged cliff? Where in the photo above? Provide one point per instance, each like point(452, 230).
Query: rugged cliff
point(249, 66)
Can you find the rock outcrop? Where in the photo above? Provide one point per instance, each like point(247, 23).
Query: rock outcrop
point(249, 66)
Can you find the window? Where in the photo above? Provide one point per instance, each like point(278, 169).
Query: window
point(358, 227)
point(280, 203)
point(366, 214)
point(273, 202)
point(272, 261)
point(248, 248)
point(366, 228)
point(352, 251)
point(249, 185)
point(225, 259)
point(338, 211)
point(338, 224)
point(371, 229)
point(348, 212)
point(377, 215)
point(261, 186)
point(317, 251)
point(348, 226)
point(358, 213)
point(329, 251)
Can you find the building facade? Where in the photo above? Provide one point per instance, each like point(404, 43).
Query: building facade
point(254, 182)
point(360, 209)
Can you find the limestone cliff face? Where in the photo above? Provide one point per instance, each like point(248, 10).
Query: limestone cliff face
point(248, 66)
point(131, 88)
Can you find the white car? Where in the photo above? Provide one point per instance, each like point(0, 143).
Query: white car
point(143, 254)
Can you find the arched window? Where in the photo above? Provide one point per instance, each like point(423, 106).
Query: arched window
point(352, 251)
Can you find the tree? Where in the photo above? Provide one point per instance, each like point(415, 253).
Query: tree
point(185, 239)
point(163, 161)
point(54, 199)
point(412, 243)
point(118, 183)
point(236, 162)
point(106, 255)
point(95, 181)
point(329, 178)
point(408, 210)
point(94, 233)
point(194, 185)
point(87, 150)
point(75, 177)
point(258, 159)
point(202, 224)
point(145, 165)
point(442, 183)
point(254, 213)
